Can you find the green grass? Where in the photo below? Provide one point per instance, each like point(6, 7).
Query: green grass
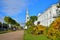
point(28, 36)
point(2, 32)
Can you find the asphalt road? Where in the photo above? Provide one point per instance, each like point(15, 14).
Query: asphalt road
point(17, 35)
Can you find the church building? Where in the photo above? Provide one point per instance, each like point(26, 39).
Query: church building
point(48, 16)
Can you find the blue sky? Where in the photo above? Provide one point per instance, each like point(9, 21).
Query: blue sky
point(17, 8)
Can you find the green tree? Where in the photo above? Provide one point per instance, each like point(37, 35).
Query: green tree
point(0, 26)
point(8, 20)
point(11, 21)
point(5, 26)
point(33, 19)
point(17, 24)
point(29, 23)
point(58, 5)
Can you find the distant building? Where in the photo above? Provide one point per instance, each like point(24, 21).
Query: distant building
point(47, 17)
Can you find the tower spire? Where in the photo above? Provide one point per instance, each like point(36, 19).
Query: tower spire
point(27, 11)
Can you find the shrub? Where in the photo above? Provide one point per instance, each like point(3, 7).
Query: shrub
point(54, 30)
point(39, 29)
point(30, 29)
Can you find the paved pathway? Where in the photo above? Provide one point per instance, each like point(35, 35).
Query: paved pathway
point(17, 35)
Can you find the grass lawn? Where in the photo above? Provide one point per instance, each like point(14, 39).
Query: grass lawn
point(2, 32)
point(28, 36)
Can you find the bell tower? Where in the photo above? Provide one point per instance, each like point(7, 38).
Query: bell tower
point(27, 16)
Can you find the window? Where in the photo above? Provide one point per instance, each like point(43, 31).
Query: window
point(27, 17)
point(38, 22)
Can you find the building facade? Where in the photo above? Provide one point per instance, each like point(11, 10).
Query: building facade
point(47, 17)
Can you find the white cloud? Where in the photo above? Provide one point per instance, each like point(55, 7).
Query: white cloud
point(13, 7)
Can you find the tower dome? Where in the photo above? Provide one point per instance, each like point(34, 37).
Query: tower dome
point(39, 14)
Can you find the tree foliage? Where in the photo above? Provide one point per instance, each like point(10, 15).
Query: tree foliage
point(11, 21)
point(0, 24)
point(58, 5)
point(39, 29)
point(5, 26)
point(54, 30)
point(33, 18)
point(31, 21)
